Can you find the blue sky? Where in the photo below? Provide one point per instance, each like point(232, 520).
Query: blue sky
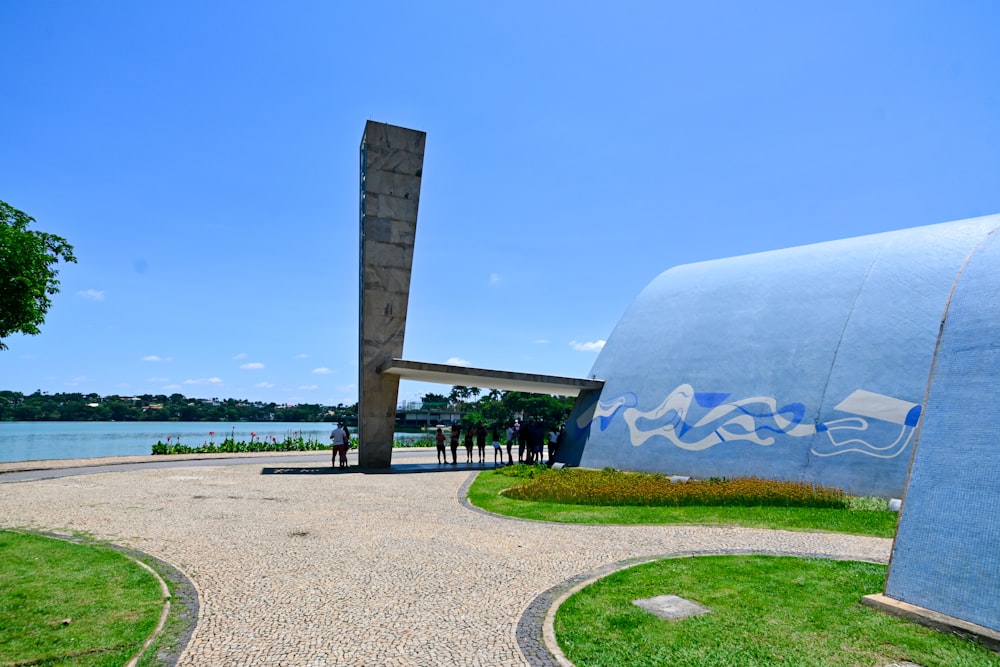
point(202, 157)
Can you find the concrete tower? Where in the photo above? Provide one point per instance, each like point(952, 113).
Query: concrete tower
point(392, 160)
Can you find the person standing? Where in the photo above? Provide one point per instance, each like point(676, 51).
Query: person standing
point(468, 445)
point(439, 439)
point(346, 447)
point(496, 445)
point(455, 430)
point(335, 437)
point(481, 442)
point(537, 441)
point(510, 442)
point(521, 433)
point(553, 439)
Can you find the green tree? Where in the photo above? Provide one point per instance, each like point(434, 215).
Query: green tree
point(492, 408)
point(543, 407)
point(460, 395)
point(27, 275)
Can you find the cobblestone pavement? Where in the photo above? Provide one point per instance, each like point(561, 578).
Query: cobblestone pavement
point(300, 565)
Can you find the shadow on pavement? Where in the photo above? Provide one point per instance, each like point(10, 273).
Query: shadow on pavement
point(397, 469)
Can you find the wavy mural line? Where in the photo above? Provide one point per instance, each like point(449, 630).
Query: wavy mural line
point(879, 407)
point(695, 421)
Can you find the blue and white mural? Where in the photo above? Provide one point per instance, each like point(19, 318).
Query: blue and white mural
point(806, 363)
point(695, 421)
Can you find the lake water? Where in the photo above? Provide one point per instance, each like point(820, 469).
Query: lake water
point(33, 441)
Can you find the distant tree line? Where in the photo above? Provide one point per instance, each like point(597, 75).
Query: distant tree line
point(475, 407)
point(41, 406)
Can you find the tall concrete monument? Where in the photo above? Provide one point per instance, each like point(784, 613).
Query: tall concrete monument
point(392, 160)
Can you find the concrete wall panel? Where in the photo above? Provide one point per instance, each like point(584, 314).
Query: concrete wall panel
point(946, 557)
point(807, 363)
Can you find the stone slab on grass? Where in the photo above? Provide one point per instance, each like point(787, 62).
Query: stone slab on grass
point(671, 607)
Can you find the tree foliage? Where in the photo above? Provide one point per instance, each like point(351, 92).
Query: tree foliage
point(540, 407)
point(40, 406)
point(460, 395)
point(27, 273)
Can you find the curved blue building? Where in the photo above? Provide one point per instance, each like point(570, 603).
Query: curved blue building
point(809, 363)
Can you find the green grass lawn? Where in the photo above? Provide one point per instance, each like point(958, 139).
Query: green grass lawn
point(485, 493)
point(67, 603)
point(765, 610)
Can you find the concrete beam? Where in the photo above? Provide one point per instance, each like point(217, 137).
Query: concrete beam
point(533, 383)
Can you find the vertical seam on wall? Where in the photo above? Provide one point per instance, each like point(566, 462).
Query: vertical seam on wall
point(840, 339)
point(927, 388)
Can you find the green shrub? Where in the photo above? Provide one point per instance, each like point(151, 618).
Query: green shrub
point(269, 443)
point(291, 443)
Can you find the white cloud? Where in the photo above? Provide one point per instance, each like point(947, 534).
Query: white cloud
point(157, 379)
point(172, 387)
point(595, 346)
point(153, 357)
point(75, 381)
point(495, 278)
point(322, 371)
point(92, 294)
point(541, 341)
point(457, 361)
point(241, 355)
point(252, 366)
point(204, 381)
point(302, 356)
point(309, 387)
point(264, 385)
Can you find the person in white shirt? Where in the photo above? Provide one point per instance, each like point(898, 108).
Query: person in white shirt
point(341, 441)
point(553, 440)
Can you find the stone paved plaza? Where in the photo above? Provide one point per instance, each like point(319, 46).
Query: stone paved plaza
point(295, 565)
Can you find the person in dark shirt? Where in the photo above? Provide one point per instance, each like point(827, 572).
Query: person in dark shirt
point(481, 442)
point(468, 445)
point(455, 430)
point(522, 441)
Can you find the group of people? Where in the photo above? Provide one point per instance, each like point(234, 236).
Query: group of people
point(530, 439)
